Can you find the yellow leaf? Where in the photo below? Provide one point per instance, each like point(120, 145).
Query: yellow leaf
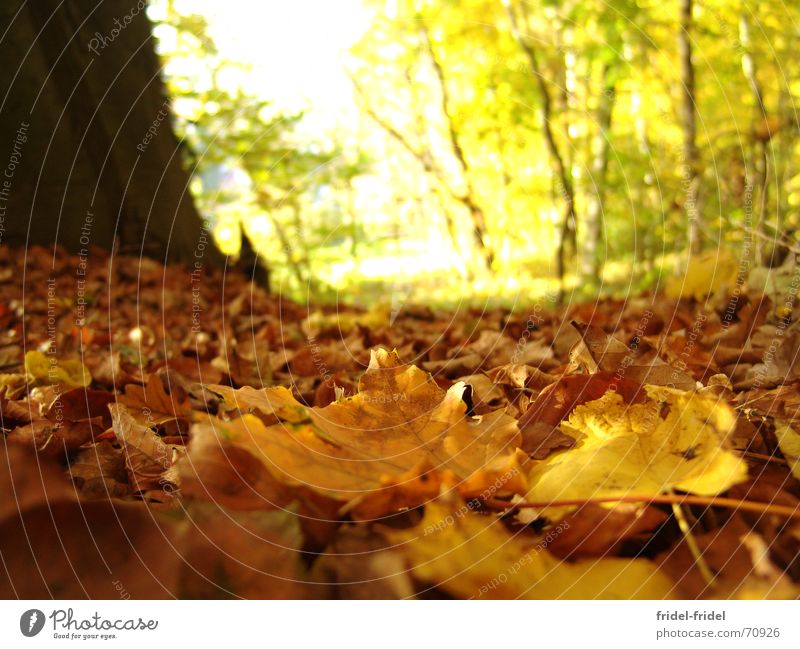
point(474, 557)
point(376, 317)
point(379, 448)
point(706, 273)
point(50, 370)
point(276, 401)
point(789, 442)
point(675, 440)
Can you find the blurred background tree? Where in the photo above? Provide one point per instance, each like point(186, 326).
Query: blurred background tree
point(492, 148)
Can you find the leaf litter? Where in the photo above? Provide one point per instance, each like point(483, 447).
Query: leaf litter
point(259, 449)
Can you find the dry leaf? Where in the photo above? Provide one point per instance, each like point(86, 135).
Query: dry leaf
point(675, 440)
point(473, 557)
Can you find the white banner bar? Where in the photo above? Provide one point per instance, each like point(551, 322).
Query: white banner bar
point(386, 625)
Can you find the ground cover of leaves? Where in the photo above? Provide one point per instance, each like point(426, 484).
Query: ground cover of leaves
point(176, 432)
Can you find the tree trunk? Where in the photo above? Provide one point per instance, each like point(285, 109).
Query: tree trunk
point(563, 176)
point(691, 156)
point(593, 223)
point(98, 162)
point(760, 142)
point(480, 231)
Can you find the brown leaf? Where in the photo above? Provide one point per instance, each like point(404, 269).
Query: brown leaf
point(101, 550)
point(57, 437)
point(358, 565)
point(146, 455)
point(597, 531)
point(600, 352)
point(78, 404)
point(99, 472)
point(152, 405)
point(15, 412)
point(252, 555)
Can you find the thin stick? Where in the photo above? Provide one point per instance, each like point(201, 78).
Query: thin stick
point(713, 501)
point(762, 457)
point(691, 543)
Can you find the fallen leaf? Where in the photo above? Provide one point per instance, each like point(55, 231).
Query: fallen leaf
point(596, 531)
point(675, 440)
point(51, 370)
point(386, 438)
point(601, 352)
point(99, 472)
point(146, 456)
point(540, 423)
point(151, 405)
point(789, 442)
point(473, 557)
point(521, 376)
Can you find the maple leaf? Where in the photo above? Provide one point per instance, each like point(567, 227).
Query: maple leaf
point(675, 440)
point(387, 438)
point(152, 405)
point(473, 556)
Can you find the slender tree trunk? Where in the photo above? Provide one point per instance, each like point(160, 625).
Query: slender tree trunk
point(266, 204)
point(422, 154)
point(593, 223)
point(691, 155)
point(480, 231)
point(428, 165)
point(760, 140)
point(563, 176)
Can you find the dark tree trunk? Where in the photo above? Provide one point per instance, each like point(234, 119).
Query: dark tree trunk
point(85, 119)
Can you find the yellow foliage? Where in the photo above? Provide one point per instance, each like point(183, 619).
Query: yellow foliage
point(675, 440)
point(51, 371)
point(473, 556)
point(789, 442)
point(379, 315)
point(706, 273)
point(388, 446)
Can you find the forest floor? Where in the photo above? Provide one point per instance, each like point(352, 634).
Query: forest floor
point(177, 433)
